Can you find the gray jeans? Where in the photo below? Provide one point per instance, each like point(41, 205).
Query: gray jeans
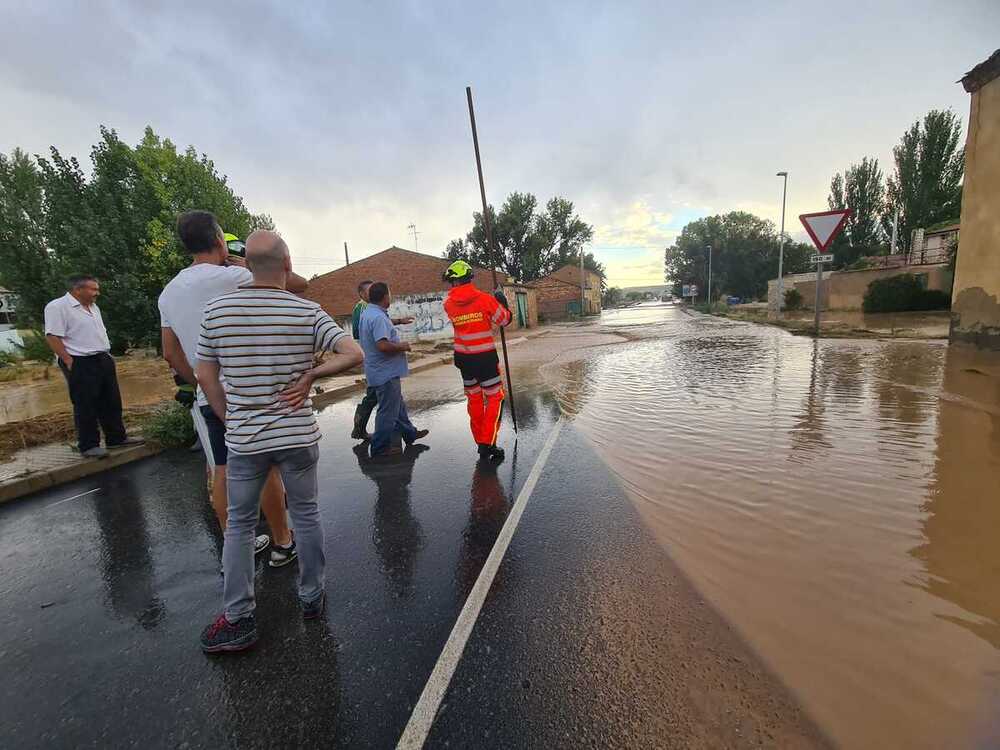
point(245, 479)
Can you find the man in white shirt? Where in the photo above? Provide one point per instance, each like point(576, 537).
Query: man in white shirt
point(75, 331)
point(212, 273)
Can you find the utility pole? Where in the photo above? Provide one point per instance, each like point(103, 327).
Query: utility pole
point(583, 284)
point(347, 259)
point(781, 244)
point(709, 277)
point(493, 249)
point(895, 229)
point(413, 228)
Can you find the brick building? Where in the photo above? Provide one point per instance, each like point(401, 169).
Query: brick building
point(559, 293)
point(417, 288)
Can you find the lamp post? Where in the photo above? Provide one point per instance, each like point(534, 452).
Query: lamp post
point(709, 248)
point(781, 243)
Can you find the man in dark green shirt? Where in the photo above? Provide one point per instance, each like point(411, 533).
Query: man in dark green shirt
point(364, 411)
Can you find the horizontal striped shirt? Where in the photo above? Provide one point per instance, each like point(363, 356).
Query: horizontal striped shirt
point(263, 338)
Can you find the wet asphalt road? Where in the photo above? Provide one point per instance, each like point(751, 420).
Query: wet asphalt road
point(589, 637)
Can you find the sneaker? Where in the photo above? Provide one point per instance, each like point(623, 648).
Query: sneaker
point(95, 452)
point(223, 636)
point(281, 556)
point(260, 543)
point(359, 433)
point(314, 609)
point(129, 442)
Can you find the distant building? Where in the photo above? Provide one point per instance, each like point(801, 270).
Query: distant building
point(418, 291)
point(975, 302)
point(8, 309)
point(936, 245)
point(559, 293)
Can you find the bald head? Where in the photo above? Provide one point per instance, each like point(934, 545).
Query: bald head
point(267, 253)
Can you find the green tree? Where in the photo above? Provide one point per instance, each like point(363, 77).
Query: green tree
point(744, 255)
point(117, 224)
point(860, 188)
point(612, 296)
point(530, 243)
point(26, 265)
point(926, 185)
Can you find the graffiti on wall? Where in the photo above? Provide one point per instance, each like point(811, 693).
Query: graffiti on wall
point(427, 311)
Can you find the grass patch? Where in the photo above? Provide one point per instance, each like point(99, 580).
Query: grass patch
point(168, 425)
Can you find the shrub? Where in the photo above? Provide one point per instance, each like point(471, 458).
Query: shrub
point(169, 425)
point(935, 299)
point(35, 348)
point(793, 299)
point(901, 293)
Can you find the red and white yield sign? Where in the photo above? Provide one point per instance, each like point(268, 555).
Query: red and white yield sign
point(824, 226)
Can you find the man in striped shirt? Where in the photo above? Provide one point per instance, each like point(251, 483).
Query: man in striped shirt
point(262, 339)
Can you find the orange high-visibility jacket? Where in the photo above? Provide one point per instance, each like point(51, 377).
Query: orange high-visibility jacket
point(473, 314)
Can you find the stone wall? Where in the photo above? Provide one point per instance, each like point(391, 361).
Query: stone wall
point(845, 290)
point(976, 297)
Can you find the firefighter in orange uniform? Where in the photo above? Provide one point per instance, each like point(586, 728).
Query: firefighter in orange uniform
point(473, 314)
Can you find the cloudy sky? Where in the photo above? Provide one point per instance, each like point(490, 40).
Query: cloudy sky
point(348, 122)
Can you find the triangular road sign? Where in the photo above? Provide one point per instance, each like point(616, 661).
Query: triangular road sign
point(824, 226)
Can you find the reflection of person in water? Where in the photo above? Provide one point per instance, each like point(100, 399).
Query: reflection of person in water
point(126, 563)
point(487, 514)
point(396, 532)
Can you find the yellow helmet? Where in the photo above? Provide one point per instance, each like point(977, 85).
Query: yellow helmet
point(458, 271)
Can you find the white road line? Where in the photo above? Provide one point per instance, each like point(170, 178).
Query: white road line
point(60, 502)
point(422, 718)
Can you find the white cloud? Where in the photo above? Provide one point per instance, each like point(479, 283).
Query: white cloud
point(636, 225)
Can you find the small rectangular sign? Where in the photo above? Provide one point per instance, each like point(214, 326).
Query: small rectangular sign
point(827, 258)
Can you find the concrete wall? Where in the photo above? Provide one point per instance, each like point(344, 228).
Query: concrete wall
point(530, 297)
point(431, 323)
point(845, 290)
point(975, 303)
point(10, 339)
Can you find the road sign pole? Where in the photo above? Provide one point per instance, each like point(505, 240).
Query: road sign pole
point(822, 227)
point(819, 282)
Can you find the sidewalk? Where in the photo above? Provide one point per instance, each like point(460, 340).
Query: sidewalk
point(44, 466)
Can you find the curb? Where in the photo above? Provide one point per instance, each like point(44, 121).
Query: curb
point(324, 399)
point(43, 480)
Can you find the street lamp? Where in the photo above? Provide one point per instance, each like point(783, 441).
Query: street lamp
point(781, 243)
point(709, 248)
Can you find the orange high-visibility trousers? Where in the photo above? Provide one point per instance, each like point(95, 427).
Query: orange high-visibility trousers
point(484, 391)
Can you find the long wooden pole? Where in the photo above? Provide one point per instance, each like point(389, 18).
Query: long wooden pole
point(493, 250)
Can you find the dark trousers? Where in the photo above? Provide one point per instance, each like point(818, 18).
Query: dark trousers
point(391, 417)
point(364, 411)
point(97, 403)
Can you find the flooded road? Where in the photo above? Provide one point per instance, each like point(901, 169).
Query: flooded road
point(836, 500)
point(141, 381)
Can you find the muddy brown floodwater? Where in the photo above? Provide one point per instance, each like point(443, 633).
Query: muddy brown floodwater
point(141, 381)
point(838, 501)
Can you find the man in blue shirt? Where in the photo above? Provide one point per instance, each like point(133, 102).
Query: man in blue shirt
point(385, 364)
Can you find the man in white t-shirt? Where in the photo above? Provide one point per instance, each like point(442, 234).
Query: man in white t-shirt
point(214, 272)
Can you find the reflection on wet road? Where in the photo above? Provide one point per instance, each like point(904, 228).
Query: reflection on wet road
point(837, 500)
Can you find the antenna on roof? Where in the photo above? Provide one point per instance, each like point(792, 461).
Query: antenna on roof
point(413, 228)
